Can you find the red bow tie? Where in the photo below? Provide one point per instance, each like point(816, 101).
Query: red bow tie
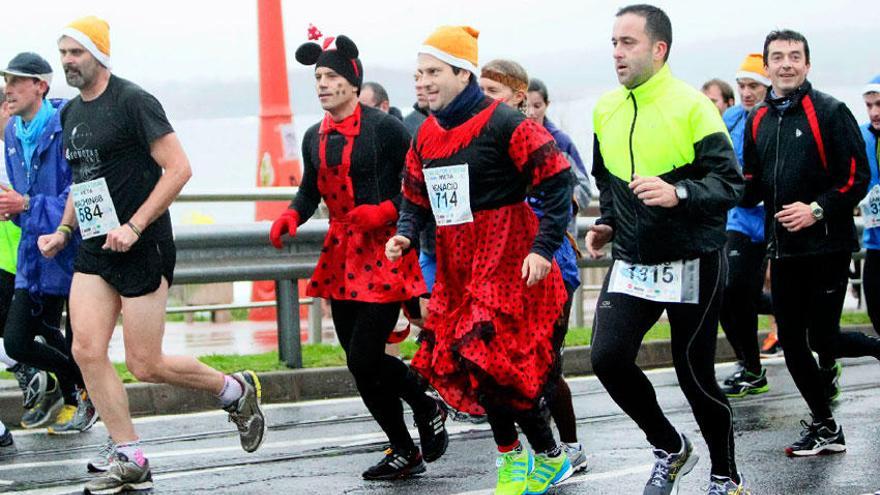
point(349, 126)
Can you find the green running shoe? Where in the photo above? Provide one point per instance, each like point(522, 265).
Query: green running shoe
point(747, 383)
point(513, 472)
point(832, 380)
point(548, 471)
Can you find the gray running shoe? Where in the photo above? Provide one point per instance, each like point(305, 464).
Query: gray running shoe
point(45, 410)
point(7, 444)
point(82, 418)
point(123, 476)
point(246, 412)
point(669, 468)
point(725, 486)
point(32, 383)
point(576, 456)
point(102, 461)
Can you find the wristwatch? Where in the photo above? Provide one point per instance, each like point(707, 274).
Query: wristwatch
point(817, 211)
point(681, 192)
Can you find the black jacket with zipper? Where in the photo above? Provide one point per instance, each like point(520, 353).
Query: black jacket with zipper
point(812, 151)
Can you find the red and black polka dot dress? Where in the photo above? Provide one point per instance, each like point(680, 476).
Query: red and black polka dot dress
point(352, 265)
point(488, 332)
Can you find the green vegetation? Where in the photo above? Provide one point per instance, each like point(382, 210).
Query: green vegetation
point(324, 355)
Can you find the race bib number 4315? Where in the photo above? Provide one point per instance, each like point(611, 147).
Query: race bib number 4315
point(449, 192)
point(673, 281)
point(94, 208)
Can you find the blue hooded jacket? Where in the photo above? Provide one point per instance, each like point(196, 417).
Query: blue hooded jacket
point(871, 237)
point(47, 188)
point(747, 221)
point(565, 256)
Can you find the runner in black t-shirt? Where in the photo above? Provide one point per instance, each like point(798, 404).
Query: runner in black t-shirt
point(128, 166)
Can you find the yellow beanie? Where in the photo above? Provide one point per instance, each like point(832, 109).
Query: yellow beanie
point(93, 34)
point(753, 68)
point(455, 45)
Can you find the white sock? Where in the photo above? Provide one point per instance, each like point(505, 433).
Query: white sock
point(2, 428)
point(232, 391)
point(4, 358)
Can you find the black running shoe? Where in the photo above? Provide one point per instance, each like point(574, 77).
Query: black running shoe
point(7, 443)
point(32, 382)
point(432, 432)
point(736, 376)
point(747, 384)
point(396, 465)
point(816, 439)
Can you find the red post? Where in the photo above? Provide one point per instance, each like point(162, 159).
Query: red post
point(278, 154)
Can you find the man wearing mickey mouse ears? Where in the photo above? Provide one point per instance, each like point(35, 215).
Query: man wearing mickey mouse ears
point(352, 160)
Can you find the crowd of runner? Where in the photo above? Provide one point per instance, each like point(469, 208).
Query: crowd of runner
point(715, 213)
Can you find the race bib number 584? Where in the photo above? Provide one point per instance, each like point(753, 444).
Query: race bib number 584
point(94, 208)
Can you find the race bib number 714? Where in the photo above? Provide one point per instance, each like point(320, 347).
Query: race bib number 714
point(449, 193)
point(94, 208)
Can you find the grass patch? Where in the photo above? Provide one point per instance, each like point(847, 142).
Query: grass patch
point(326, 355)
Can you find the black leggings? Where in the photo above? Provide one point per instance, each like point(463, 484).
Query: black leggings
point(382, 380)
point(742, 295)
point(871, 284)
point(619, 327)
point(559, 399)
point(535, 424)
point(32, 316)
point(7, 288)
point(808, 294)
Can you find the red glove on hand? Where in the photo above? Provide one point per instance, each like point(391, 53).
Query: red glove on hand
point(372, 217)
point(285, 224)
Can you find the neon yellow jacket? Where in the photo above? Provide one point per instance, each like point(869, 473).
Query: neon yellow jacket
point(664, 128)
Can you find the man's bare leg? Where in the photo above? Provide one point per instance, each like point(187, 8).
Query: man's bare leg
point(143, 323)
point(94, 307)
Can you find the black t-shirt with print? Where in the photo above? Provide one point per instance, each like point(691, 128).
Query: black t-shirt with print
point(110, 137)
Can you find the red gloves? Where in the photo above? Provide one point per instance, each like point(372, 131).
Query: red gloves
point(285, 224)
point(372, 217)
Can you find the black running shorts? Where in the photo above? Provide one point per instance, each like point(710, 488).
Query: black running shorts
point(135, 273)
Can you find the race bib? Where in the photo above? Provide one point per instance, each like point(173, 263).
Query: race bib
point(94, 208)
point(449, 192)
point(673, 281)
point(870, 207)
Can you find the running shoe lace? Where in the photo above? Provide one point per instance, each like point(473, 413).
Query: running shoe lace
point(660, 473)
point(240, 420)
point(22, 378)
point(507, 468)
point(108, 450)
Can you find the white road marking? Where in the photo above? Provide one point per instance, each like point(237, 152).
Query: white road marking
point(326, 402)
point(356, 440)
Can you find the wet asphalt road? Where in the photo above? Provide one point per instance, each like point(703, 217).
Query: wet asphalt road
point(322, 447)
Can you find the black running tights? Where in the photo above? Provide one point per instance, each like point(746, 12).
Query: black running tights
point(621, 323)
point(382, 380)
point(31, 316)
point(808, 294)
point(742, 294)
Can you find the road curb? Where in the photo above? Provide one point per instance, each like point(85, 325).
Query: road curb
point(325, 383)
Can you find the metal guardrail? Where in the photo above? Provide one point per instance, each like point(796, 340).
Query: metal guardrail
point(241, 252)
